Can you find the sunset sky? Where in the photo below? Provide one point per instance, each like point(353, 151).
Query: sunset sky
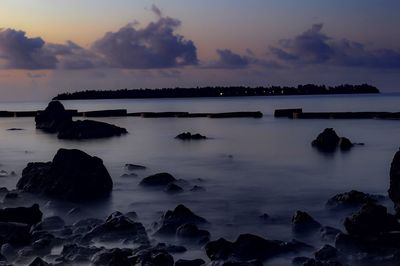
point(52, 46)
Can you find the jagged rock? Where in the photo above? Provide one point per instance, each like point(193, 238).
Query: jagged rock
point(31, 215)
point(152, 257)
point(157, 180)
point(89, 129)
point(53, 118)
point(302, 222)
point(370, 220)
point(181, 215)
point(118, 227)
point(76, 253)
point(172, 188)
point(72, 175)
point(38, 262)
point(352, 199)
point(192, 232)
point(190, 136)
point(250, 247)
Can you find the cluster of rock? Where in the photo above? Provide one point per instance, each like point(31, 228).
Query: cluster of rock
point(55, 119)
point(329, 141)
point(167, 182)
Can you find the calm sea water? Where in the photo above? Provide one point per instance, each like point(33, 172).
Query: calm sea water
point(248, 167)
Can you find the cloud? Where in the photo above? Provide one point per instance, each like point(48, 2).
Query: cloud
point(155, 46)
point(315, 47)
point(17, 51)
point(156, 10)
point(228, 59)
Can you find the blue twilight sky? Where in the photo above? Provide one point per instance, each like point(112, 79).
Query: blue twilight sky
point(49, 46)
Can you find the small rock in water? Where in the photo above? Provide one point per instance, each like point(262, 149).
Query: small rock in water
point(197, 189)
point(157, 180)
point(352, 199)
point(3, 173)
point(133, 167)
point(329, 141)
point(302, 222)
point(15, 129)
point(172, 188)
point(131, 175)
point(190, 136)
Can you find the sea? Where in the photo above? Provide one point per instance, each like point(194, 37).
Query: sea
point(249, 167)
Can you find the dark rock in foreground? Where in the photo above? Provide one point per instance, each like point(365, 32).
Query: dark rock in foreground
point(190, 136)
point(394, 189)
point(196, 262)
point(53, 118)
point(72, 175)
point(329, 141)
point(250, 247)
point(370, 220)
point(38, 262)
point(181, 215)
point(14, 234)
point(89, 129)
point(157, 180)
point(31, 215)
point(118, 227)
point(352, 199)
point(112, 257)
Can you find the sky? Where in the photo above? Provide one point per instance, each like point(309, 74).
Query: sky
point(53, 46)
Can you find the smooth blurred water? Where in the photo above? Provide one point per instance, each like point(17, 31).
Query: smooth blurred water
point(248, 166)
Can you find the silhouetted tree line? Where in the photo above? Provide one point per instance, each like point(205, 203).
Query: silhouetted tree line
point(309, 89)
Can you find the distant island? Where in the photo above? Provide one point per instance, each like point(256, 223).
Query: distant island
point(238, 91)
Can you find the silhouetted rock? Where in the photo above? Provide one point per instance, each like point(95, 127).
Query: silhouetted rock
point(193, 233)
point(172, 188)
point(72, 175)
point(89, 129)
point(352, 199)
point(53, 118)
point(157, 180)
point(118, 227)
point(197, 189)
point(31, 215)
point(181, 215)
point(302, 222)
point(371, 220)
point(345, 144)
point(14, 234)
point(190, 136)
point(38, 262)
point(328, 140)
point(153, 256)
point(196, 262)
point(250, 247)
point(112, 257)
point(394, 189)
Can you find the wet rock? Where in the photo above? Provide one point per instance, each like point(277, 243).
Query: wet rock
point(53, 118)
point(394, 189)
point(158, 180)
point(192, 232)
point(197, 189)
point(170, 248)
point(181, 215)
point(329, 233)
point(328, 140)
point(370, 220)
point(31, 215)
point(77, 253)
point(302, 222)
point(50, 223)
point(118, 227)
point(152, 257)
point(190, 136)
point(172, 188)
point(14, 233)
point(112, 257)
point(89, 129)
point(72, 175)
point(352, 199)
point(196, 262)
point(250, 247)
point(134, 167)
point(38, 262)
